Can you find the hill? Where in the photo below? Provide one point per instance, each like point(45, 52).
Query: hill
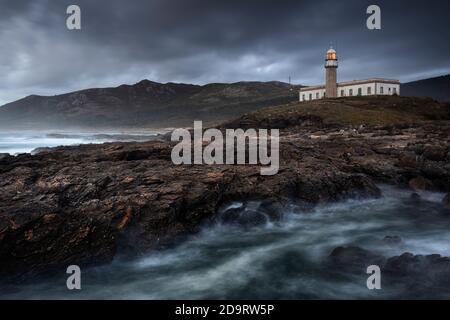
point(437, 88)
point(144, 104)
point(151, 104)
point(347, 112)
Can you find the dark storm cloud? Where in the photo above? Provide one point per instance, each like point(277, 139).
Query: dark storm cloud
point(200, 41)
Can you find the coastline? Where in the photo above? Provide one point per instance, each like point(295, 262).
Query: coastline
point(89, 204)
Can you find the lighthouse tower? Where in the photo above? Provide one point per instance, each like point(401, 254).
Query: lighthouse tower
point(332, 89)
point(331, 65)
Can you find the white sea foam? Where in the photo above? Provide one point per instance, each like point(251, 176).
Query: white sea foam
point(282, 259)
point(25, 142)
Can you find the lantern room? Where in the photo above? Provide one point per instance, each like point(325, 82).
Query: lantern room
point(331, 54)
point(331, 60)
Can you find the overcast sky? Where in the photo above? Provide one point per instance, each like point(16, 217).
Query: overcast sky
point(202, 41)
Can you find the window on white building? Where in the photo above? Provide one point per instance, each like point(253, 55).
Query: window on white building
point(395, 90)
point(350, 92)
point(317, 95)
point(310, 96)
point(359, 91)
point(303, 97)
point(381, 90)
point(369, 90)
point(342, 93)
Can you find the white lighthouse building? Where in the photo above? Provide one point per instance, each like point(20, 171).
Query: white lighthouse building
point(333, 89)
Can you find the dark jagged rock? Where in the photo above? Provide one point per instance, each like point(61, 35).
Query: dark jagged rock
point(420, 183)
point(244, 216)
point(86, 204)
point(446, 200)
point(82, 205)
point(408, 264)
point(434, 153)
point(418, 272)
point(252, 213)
point(410, 271)
point(354, 256)
point(41, 150)
point(415, 197)
point(434, 170)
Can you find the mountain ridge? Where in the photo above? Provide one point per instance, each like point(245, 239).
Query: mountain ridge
point(151, 104)
point(143, 104)
point(437, 88)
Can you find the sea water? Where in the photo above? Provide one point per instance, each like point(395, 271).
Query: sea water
point(283, 259)
point(25, 142)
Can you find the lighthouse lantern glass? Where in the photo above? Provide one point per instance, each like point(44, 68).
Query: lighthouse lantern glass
point(331, 56)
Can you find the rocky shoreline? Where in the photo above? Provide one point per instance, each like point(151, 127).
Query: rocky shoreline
point(416, 274)
point(85, 205)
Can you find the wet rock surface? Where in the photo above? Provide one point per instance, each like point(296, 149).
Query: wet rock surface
point(354, 257)
point(446, 200)
point(416, 272)
point(87, 204)
point(83, 205)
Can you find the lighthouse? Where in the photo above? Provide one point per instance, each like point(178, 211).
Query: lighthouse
point(332, 89)
point(331, 65)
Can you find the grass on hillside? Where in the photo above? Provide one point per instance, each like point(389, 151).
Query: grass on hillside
point(355, 111)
